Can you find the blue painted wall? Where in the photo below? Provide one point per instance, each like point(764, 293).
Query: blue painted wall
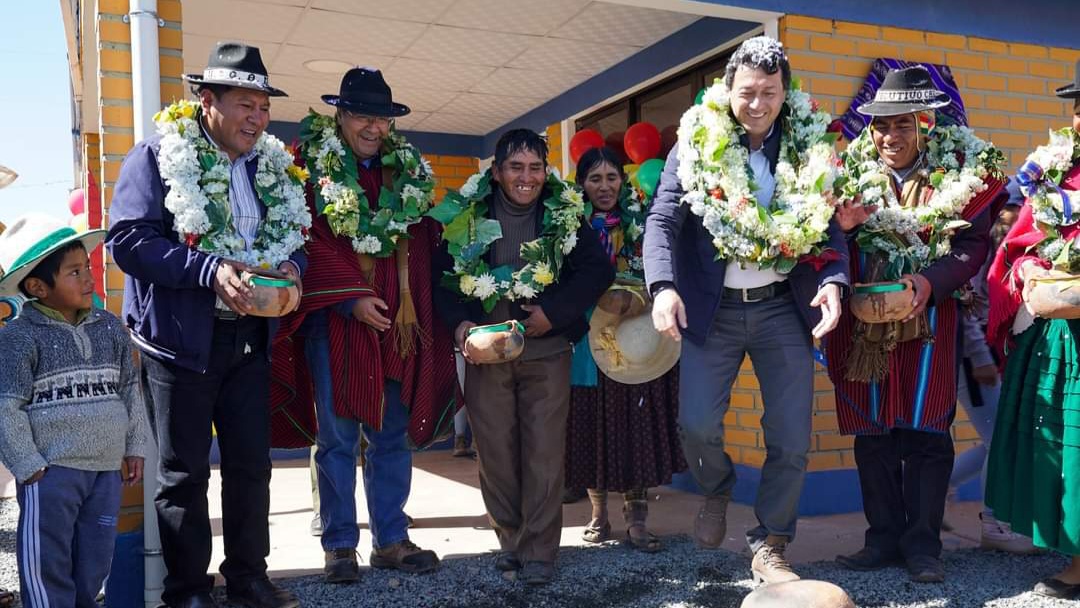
point(1042, 22)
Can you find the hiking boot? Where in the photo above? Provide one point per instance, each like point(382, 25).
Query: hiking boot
point(925, 569)
point(404, 556)
point(769, 564)
point(535, 574)
point(341, 566)
point(998, 536)
point(462, 449)
point(710, 527)
point(867, 559)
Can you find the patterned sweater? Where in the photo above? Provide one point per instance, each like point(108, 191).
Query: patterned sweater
point(69, 394)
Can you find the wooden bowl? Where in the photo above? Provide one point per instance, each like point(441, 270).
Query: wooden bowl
point(274, 294)
point(1054, 296)
point(882, 302)
point(496, 343)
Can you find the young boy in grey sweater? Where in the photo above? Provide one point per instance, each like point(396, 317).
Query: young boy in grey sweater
point(70, 413)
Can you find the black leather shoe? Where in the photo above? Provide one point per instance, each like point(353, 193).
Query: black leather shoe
point(263, 594)
point(867, 559)
point(506, 561)
point(199, 600)
point(1052, 587)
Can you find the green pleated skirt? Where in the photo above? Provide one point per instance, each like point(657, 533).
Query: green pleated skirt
point(1034, 477)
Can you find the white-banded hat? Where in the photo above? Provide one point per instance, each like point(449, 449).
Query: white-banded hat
point(235, 64)
point(905, 91)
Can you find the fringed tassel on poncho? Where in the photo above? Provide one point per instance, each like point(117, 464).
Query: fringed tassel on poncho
point(872, 343)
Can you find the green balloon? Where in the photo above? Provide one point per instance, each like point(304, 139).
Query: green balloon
point(648, 175)
point(700, 96)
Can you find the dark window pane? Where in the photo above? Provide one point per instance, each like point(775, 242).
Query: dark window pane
point(664, 111)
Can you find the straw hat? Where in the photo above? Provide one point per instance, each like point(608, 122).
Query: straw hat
point(29, 240)
point(624, 342)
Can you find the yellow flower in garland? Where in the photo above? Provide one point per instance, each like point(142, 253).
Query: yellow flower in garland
point(300, 174)
point(542, 274)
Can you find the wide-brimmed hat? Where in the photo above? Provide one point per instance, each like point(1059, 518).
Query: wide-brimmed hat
point(1071, 90)
point(364, 91)
point(904, 91)
point(624, 342)
point(7, 176)
point(235, 64)
point(30, 239)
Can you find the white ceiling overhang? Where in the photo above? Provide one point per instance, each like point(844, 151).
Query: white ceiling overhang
point(465, 67)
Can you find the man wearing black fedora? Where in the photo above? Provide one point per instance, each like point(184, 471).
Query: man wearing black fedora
point(381, 364)
point(896, 380)
point(183, 231)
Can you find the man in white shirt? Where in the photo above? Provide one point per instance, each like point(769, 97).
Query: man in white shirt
point(729, 308)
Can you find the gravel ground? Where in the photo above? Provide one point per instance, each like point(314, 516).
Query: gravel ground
point(613, 576)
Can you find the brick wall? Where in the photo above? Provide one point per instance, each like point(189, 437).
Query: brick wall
point(451, 171)
point(117, 136)
point(1007, 88)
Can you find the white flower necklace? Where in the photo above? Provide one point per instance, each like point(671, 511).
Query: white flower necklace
point(197, 174)
point(958, 164)
point(469, 232)
point(716, 176)
point(373, 228)
point(1040, 180)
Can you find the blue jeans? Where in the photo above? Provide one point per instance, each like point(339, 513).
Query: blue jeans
point(387, 471)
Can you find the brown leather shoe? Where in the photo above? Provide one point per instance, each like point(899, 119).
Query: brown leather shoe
point(404, 556)
point(710, 527)
point(769, 564)
point(341, 566)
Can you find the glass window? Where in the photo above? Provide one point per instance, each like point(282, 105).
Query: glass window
point(664, 109)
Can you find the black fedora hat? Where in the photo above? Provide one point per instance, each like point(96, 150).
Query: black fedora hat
point(364, 91)
point(1071, 90)
point(904, 91)
point(235, 64)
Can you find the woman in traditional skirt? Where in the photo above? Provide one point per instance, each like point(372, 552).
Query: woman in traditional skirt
point(1034, 477)
point(620, 437)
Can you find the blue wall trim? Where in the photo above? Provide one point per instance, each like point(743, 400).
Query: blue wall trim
point(1040, 22)
point(685, 44)
point(429, 143)
point(824, 493)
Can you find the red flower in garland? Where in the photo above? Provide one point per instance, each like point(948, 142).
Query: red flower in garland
point(192, 240)
point(819, 261)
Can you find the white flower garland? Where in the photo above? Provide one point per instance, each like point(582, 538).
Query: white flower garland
point(958, 163)
point(197, 175)
point(1041, 185)
point(715, 173)
point(374, 226)
point(469, 233)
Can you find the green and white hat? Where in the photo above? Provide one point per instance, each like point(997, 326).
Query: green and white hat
point(31, 238)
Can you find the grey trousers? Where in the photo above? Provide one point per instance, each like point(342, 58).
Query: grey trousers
point(518, 412)
point(780, 347)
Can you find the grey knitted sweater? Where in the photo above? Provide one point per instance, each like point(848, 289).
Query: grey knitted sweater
point(69, 394)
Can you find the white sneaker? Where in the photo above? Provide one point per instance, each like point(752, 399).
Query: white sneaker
point(998, 536)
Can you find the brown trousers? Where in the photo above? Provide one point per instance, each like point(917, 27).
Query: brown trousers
point(518, 412)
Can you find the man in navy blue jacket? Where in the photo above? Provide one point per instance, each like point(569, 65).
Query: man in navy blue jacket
point(205, 360)
point(727, 309)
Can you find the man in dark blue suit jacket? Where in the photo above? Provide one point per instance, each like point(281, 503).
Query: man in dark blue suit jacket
point(205, 361)
point(728, 310)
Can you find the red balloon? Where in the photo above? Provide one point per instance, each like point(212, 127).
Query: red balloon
point(583, 141)
point(642, 142)
point(77, 201)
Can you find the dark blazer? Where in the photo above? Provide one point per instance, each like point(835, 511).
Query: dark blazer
point(585, 275)
point(168, 291)
point(678, 249)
